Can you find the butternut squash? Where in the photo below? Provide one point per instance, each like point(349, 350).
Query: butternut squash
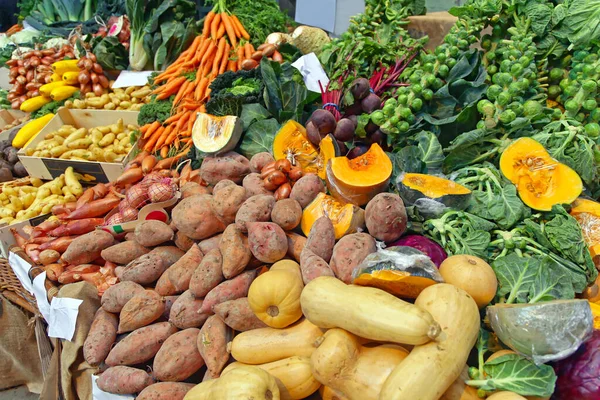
point(430, 369)
point(293, 375)
point(287, 265)
point(471, 274)
point(367, 312)
point(263, 345)
point(355, 371)
point(459, 390)
point(506, 396)
point(328, 393)
point(346, 218)
point(274, 297)
point(242, 383)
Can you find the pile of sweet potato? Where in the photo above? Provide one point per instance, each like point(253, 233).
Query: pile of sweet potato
point(183, 286)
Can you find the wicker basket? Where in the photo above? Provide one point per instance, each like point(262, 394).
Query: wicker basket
point(11, 288)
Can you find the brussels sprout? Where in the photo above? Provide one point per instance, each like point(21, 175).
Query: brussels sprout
point(596, 154)
point(480, 125)
point(427, 94)
point(416, 104)
point(451, 62)
point(554, 91)
point(492, 69)
point(556, 74)
point(590, 104)
point(429, 79)
point(402, 99)
point(595, 115)
point(403, 126)
point(592, 130)
point(507, 116)
point(532, 108)
point(378, 117)
point(454, 51)
point(394, 120)
point(493, 91)
point(505, 65)
point(572, 106)
point(388, 110)
point(485, 107)
point(503, 99)
point(404, 112)
point(443, 71)
point(589, 86)
point(417, 89)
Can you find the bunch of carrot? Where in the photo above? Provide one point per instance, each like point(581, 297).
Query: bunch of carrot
point(222, 46)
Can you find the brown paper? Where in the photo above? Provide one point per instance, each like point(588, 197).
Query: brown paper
point(435, 25)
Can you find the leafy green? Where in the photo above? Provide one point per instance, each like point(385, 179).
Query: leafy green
point(420, 153)
point(231, 90)
point(259, 137)
point(252, 113)
point(583, 22)
point(111, 54)
point(515, 373)
point(4, 103)
point(155, 111)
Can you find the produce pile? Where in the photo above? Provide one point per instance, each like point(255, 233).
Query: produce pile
point(425, 227)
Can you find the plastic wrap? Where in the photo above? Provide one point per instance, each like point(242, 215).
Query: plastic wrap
point(428, 208)
point(544, 332)
point(400, 270)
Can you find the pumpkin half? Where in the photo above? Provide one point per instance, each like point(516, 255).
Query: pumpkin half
point(214, 135)
point(346, 218)
point(413, 187)
point(587, 214)
point(541, 180)
point(291, 142)
point(358, 180)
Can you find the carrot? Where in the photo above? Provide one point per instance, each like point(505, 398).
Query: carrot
point(240, 54)
point(219, 55)
point(238, 34)
point(241, 28)
point(202, 51)
point(225, 59)
point(144, 128)
point(232, 65)
point(214, 26)
point(189, 91)
point(153, 127)
point(229, 28)
point(171, 88)
point(191, 121)
point(208, 67)
point(220, 31)
point(171, 137)
point(173, 118)
point(211, 48)
point(180, 92)
point(247, 50)
point(207, 23)
point(207, 91)
point(152, 141)
point(183, 120)
point(200, 89)
point(161, 140)
point(164, 152)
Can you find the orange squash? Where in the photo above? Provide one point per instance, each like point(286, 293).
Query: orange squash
point(346, 218)
point(587, 214)
point(291, 142)
point(358, 180)
point(541, 180)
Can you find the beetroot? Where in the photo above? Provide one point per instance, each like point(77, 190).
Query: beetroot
point(360, 88)
point(425, 245)
point(578, 377)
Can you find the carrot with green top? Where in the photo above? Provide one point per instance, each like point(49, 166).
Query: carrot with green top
point(207, 24)
point(229, 28)
point(224, 59)
point(219, 55)
point(241, 28)
point(214, 25)
point(151, 129)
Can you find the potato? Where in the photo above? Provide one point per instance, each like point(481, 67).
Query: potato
point(230, 166)
point(222, 185)
point(267, 241)
point(165, 391)
point(321, 238)
point(287, 213)
point(228, 290)
point(306, 189)
point(259, 160)
point(144, 269)
point(124, 253)
point(234, 251)
point(192, 189)
point(181, 272)
point(195, 217)
point(227, 201)
point(385, 217)
point(124, 380)
point(152, 233)
point(238, 315)
point(100, 338)
point(182, 242)
point(208, 274)
point(116, 296)
point(212, 343)
point(312, 266)
point(256, 209)
point(86, 248)
point(140, 345)
point(349, 252)
point(209, 244)
point(184, 311)
point(169, 254)
point(143, 309)
point(178, 358)
point(254, 185)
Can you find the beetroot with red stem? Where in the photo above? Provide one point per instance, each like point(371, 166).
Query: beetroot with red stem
point(371, 103)
point(344, 131)
point(360, 88)
point(313, 133)
point(324, 121)
point(358, 150)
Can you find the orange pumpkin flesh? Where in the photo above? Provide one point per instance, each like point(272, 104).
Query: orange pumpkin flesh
point(541, 181)
point(587, 214)
point(346, 218)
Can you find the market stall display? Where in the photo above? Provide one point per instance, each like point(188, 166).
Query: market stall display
point(427, 213)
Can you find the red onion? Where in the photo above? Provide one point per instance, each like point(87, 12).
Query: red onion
point(423, 244)
point(137, 196)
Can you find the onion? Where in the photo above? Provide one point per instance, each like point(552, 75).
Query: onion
point(161, 191)
point(137, 196)
point(123, 205)
point(114, 219)
point(129, 214)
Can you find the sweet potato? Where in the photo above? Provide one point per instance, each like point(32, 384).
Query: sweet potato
point(86, 248)
point(169, 254)
point(124, 253)
point(222, 185)
point(255, 185)
point(101, 337)
point(196, 218)
point(385, 217)
point(181, 272)
point(208, 274)
point(296, 244)
point(306, 189)
point(140, 345)
point(169, 301)
point(238, 315)
point(349, 252)
point(313, 266)
point(228, 290)
point(227, 201)
point(166, 391)
point(192, 189)
point(256, 209)
point(164, 287)
point(321, 238)
point(124, 380)
point(143, 309)
point(259, 160)
point(144, 269)
point(212, 344)
point(184, 312)
point(183, 242)
point(152, 233)
point(287, 213)
point(230, 166)
point(234, 251)
point(178, 358)
point(116, 296)
point(267, 241)
point(209, 244)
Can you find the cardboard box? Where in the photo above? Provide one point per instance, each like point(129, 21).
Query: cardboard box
point(435, 25)
point(8, 117)
point(50, 168)
point(6, 237)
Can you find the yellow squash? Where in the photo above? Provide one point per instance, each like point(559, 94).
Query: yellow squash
point(63, 93)
point(60, 67)
point(48, 87)
point(34, 103)
point(30, 130)
point(71, 77)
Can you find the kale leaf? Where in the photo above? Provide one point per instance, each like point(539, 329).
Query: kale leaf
point(231, 90)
